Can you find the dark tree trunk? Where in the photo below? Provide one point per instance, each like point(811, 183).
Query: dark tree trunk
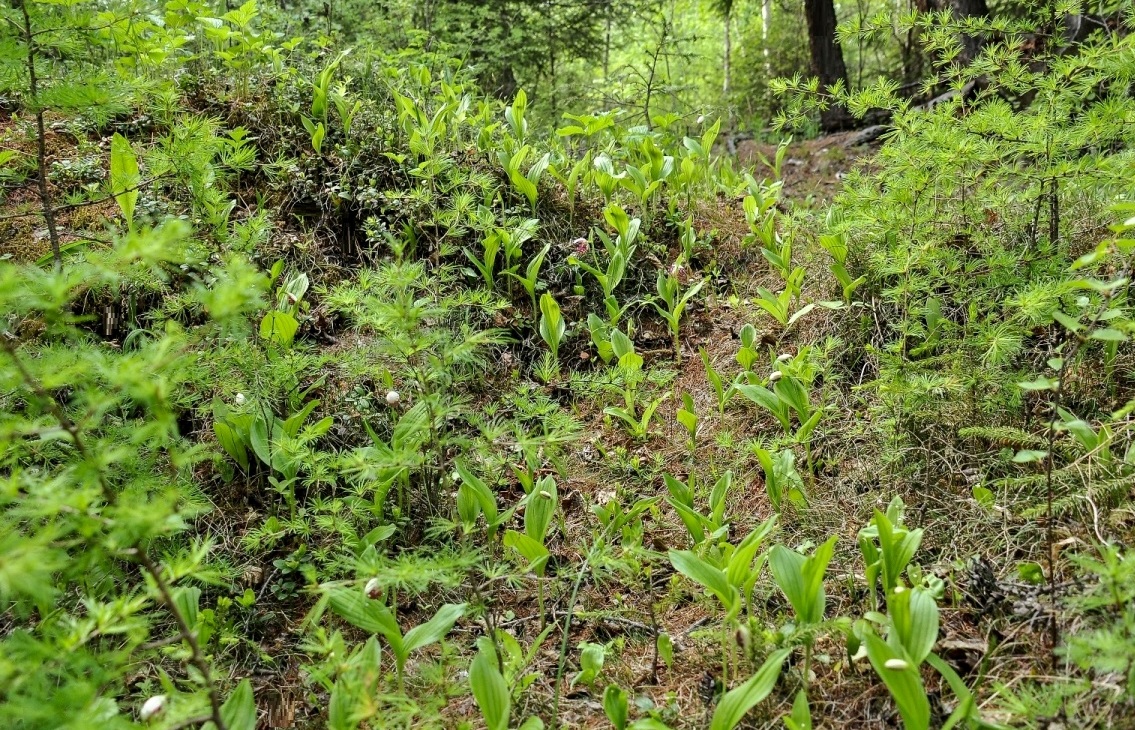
point(962, 9)
point(827, 57)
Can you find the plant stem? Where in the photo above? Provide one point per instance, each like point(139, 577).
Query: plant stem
point(540, 601)
point(807, 665)
point(41, 139)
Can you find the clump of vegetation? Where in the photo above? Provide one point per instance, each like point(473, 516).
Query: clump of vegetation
point(354, 388)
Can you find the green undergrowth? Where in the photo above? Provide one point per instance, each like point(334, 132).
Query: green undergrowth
point(367, 403)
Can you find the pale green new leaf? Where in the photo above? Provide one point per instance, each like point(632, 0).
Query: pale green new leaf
point(124, 177)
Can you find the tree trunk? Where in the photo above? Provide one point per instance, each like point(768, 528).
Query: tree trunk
point(766, 21)
point(962, 9)
point(725, 60)
point(827, 57)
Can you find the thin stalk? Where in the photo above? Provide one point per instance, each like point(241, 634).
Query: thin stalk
point(540, 601)
point(724, 654)
point(807, 664)
point(41, 138)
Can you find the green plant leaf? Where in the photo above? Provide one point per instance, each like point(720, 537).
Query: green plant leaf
point(801, 716)
point(705, 575)
point(902, 680)
point(914, 618)
point(124, 177)
point(490, 691)
point(536, 554)
point(232, 443)
point(739, 700)
point(279, 327)
point(435, 629)
point(366, 614)
point(615, 706)
point(239, 710)
point(764, 397)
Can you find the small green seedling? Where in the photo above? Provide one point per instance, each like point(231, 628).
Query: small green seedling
point(747, 354)
point(552, 324)
point(688, 417)
point(615, 706)
point(681, 498)
point(630, 369)
point(732, 580)
point(896, 546)
point(592, 656)
point(474, 498)
point(724, 393)
point(539, 508)
point(782, 481)
point(124, 177)
point(371, 615)
point(490, 691)
point(836, 245)
point(739, 700)
point(801, 579)
point(532, 274)
point(675, 301)
point(788, 396)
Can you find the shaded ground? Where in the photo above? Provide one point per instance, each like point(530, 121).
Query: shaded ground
point(813, 168)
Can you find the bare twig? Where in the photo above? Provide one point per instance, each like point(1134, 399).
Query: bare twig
point(48, 211)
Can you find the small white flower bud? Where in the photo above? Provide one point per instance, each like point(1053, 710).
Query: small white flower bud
point(900, 589)
point(545, 495)
point(153, 707)
point(701, 118)
point(897, 664)
point(784, 357)
point(373, 589)
point(774, 376)
point(239, 400)
point(392, 398)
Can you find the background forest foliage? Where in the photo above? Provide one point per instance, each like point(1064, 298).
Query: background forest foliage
point(505, 364)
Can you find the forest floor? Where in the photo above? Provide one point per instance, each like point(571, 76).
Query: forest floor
point(631, 613)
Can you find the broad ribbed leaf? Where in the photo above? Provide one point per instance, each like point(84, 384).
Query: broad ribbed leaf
point(124, 177)
point(367, 614)
point(340, 708)
point(239, 710)
point(814, 570)
point(615, 706)
point(787, 568)
point(536, 554)
point(902, 680)
point(705, 575)
point(479, 491)
point(801, 717)
point(490, 691)
point(764, 397)
point(789, 390)
point(741, 561)
point(231, 442)
point(914, 617)
point(740, 700)
point(279, 327)
point(540, 507)
point(435, 629)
